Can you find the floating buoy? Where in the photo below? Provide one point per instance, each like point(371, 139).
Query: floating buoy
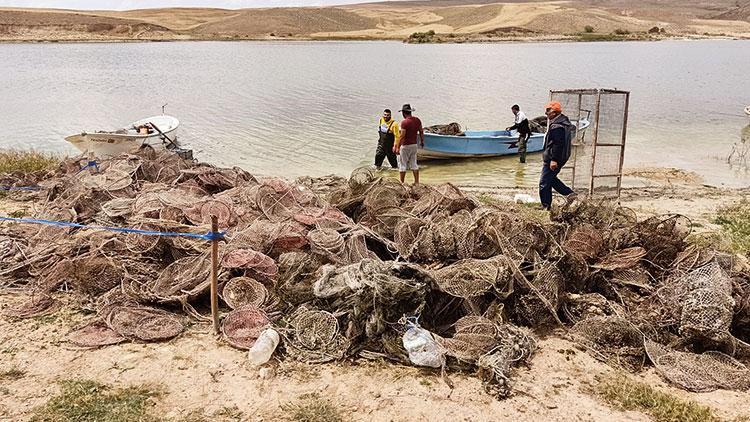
point(747, 110)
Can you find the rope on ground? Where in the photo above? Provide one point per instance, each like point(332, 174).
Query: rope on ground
point(210, 236)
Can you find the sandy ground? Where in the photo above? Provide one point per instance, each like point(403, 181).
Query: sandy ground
point(201, 375)
point(394, 20)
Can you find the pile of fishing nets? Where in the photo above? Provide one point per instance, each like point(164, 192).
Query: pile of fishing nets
point(349, 268)
point(449, 129)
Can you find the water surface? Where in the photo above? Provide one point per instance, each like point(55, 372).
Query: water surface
point(311, 108)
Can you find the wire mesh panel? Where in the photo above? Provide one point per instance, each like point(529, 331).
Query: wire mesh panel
point(598, 148)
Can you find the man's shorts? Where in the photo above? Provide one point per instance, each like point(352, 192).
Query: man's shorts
point(407, 158)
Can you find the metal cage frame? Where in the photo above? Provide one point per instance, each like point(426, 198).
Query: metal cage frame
point(579, 141)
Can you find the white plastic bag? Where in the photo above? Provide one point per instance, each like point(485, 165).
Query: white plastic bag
point(422, 347)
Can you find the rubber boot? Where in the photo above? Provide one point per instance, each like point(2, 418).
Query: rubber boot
point(522, 157)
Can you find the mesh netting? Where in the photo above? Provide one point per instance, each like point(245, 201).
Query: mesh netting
point(338, 264)
point(612, 339)
point(143, 323)
point(242, 291)
point(703, 372)
point(243, 326)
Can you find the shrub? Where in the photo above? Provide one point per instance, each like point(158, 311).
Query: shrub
point(589, 29)
point(619, 31)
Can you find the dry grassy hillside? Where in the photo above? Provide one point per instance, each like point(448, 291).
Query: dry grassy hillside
point(460, 20)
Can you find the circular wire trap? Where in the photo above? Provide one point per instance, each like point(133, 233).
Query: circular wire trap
point(243, 291)
point(243, 326)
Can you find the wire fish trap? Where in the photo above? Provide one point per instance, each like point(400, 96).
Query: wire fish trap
point(622, 259)
point(474, 277)
point(515, 345)
point(611, 339)
point(327, 243)
point(143, 323)
point(201, 213)
point(118, 207)
point(109, 180)
point(243, 326)
point(707, 306)
point(585, 241)
point(475, 336)
point(703, 372)
point(36, 305)
point(185, 277)
point(243, 291)
point(315, 336)
point(540, 303)
point(140, 244)
point(248, 259)
point(95, 334)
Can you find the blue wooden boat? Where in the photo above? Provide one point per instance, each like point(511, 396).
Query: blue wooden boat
point(479, 143)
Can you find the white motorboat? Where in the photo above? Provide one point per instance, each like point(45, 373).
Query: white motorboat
point(157, 132)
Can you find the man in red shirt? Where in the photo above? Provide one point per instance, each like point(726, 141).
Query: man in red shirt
point(406, 145)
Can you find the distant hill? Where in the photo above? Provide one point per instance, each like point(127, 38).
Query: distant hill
point(459, 20)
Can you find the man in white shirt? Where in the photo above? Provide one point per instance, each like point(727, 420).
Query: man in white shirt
point(521, 123)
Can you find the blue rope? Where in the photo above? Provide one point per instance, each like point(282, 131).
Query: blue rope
point(20, 187)
point(210, 236)
point(93, 164)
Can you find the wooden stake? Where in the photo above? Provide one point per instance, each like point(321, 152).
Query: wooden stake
point(215, 274)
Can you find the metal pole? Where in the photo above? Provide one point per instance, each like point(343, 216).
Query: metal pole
point(624, 134)
point(215, 273)
point(576, 148)
point(596, 138)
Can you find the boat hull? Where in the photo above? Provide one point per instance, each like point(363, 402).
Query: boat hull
point(476, 145)
point(107, 144)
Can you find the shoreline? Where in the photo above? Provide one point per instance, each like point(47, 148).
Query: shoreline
point(503, 40)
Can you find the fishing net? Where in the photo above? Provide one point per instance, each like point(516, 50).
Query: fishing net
point(143, 323)
point(95, 334)
point(342, 262)
point(242, 291)
point(585, 241)
point(611, 339)
point(243, 326)
point(514, 346)
point(474, 277)
point(247, 259)
point(703, 372)
point(314, 336)
point(37, 305)
point(541, 300)
point(449, 129)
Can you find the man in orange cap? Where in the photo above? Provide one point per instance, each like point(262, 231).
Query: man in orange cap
point(557, 149)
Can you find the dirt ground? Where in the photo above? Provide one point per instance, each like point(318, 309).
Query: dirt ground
point(201, 375)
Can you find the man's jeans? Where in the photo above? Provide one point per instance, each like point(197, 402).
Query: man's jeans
point(548, 181)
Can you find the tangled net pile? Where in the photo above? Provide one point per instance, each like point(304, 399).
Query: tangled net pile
point(337, 266)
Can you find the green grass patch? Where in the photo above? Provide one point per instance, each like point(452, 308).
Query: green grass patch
point(311, 408)
point(624, 393)
point(12, 374)
point(735, 224)
point(90, 401)
point(12, 161)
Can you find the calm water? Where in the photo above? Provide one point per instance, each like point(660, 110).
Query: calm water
point(296, 109)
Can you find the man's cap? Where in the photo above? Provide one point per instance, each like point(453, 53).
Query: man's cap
point(407, 107)
point(554, 105)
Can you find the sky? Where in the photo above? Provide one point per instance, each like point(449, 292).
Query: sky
point(144, 4)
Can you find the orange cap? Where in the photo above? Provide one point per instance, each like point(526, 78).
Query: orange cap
point(554, 105)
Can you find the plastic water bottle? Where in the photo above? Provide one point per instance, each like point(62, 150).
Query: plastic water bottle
point(264, 347)
point(422, 347)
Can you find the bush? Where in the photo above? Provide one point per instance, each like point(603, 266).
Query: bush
point(589, 29)
point(619, 31)
point(26, 161)
point(735, 224)
point(422, 37)
point(654, 30)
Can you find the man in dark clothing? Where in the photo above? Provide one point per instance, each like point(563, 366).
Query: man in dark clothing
point(557, 149)
point(387, 134)
point(521, 123)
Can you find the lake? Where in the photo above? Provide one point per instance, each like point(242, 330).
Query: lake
point(311, 108)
